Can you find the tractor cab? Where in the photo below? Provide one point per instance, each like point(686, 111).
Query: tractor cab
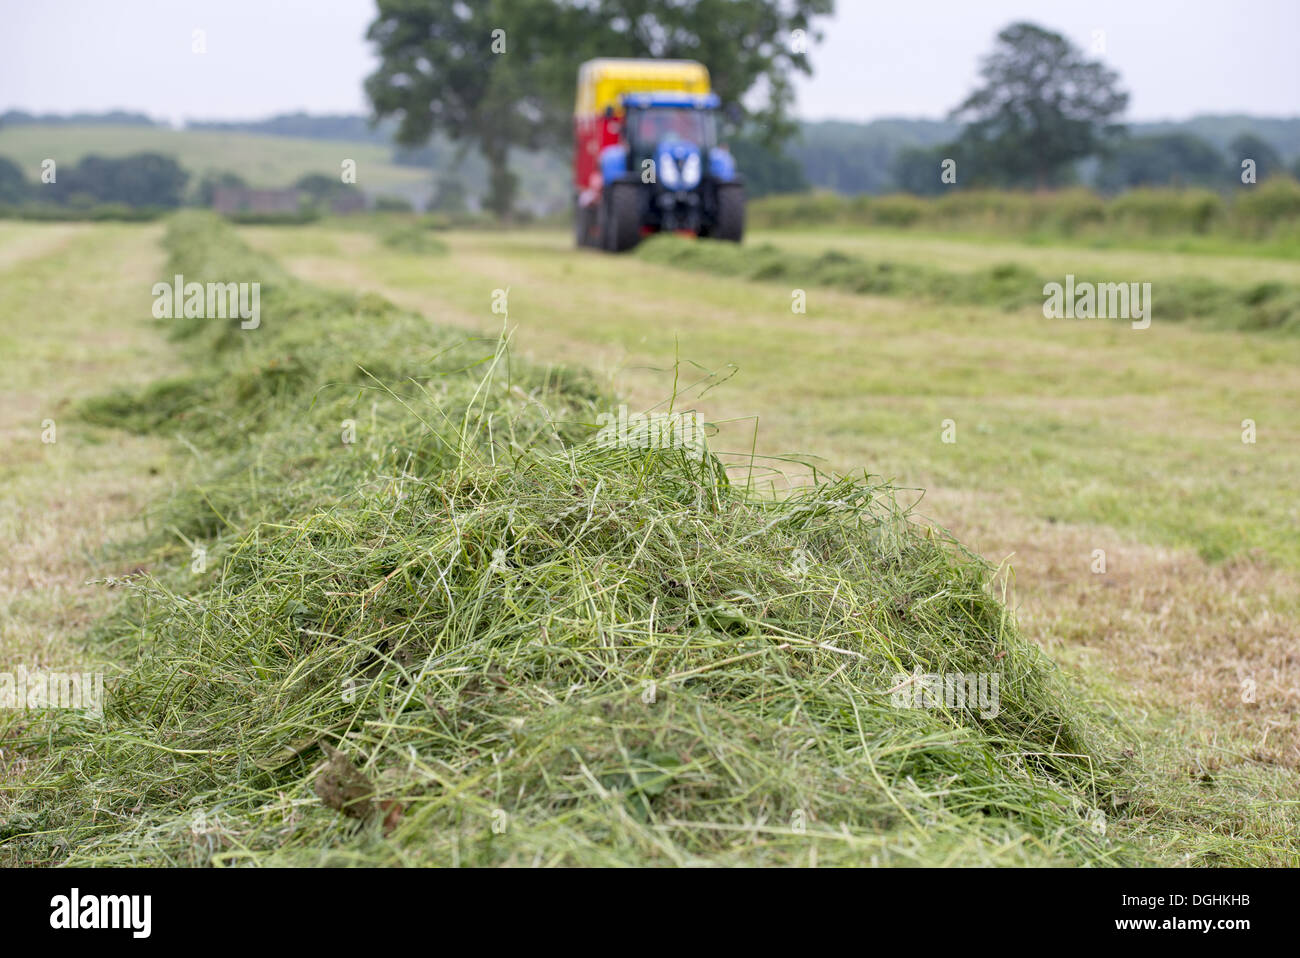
point(674, 131)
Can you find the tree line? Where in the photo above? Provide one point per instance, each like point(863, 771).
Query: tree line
point(144, 181)
point(1043, 107)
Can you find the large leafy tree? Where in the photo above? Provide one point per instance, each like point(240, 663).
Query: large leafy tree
point(443, 67)
point(1041, 106)
point(1248, 146)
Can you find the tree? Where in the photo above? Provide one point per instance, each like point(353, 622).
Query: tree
point(1181, 159)
point(211, 182)
point(323, 189)
point(449, 196)
point(14, 188)
point(500, 73)
point(1041, 107)
point(767, 170)
point(917, 169)
point(142, 179)
point(393, 204)
point(1248, 146)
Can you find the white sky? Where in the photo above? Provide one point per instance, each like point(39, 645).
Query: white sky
point(879, 58)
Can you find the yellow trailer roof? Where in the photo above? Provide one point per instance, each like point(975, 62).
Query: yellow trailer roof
point(602, 82)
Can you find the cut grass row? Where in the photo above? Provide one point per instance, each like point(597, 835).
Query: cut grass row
point(68, 488)
point(1070, 437)
point(474, 635)
point(1268, 305)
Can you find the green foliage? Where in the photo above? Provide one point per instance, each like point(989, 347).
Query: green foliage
point(322, 189)
point(1248, 146)
point(888, 155)
point(1263, 306)
point(917, 169)
point(209, 183)
point(861, 157)
point(1257, 207)
point(413, 238)
point(766, 170)
point(1255, 211)
point(1166, 211)
point(449, 196)
point(439, 71)
point(107, 118)
point(1171, 159)
point(142, 179)
point(255, 218)
point(338, 127)
point(82, 212)
point(393, 204)
point(14, 187)
point(1041, 107)
point(264, 160)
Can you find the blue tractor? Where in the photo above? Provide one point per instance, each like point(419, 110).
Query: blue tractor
point(665, 172)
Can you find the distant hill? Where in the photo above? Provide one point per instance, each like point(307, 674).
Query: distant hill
point(323, 126)
point(111, 118)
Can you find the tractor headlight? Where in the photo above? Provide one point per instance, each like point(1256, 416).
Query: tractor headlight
point(668, 172)
point(691, 171)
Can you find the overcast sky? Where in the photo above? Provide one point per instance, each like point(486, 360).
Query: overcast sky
point(1176, 57)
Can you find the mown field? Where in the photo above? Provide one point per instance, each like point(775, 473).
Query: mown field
point(1172, 725)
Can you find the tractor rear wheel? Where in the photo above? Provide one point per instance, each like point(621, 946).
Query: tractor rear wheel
point(731, 213)
point(621, 207)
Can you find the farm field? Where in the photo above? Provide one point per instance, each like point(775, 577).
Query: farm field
point(74, 302)
point(1141, 434)
point(968, 253)
point(1071, 437)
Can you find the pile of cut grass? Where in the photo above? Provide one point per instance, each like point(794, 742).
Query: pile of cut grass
point(477, 636)
point(414, 238)
point(1261, 306)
